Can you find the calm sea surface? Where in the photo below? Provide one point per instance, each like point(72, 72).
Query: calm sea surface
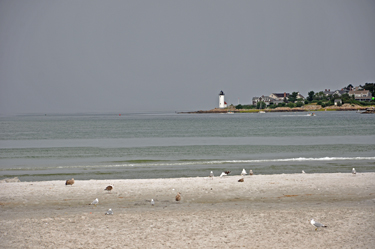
point(164, 145)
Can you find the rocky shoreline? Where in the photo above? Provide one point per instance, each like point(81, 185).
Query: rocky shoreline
point(306, 108)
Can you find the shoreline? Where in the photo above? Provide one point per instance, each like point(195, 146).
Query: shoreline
point(306, 108)
point(263, 211)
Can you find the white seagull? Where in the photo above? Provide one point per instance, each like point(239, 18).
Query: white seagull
point(303, 172)
point(96, 201)
point(316, 224)
point(223, 174)
point(152, 202)
point(251, 172)
point(212, 175)
point(353, 171)
point(109, 212)
point(243, 172)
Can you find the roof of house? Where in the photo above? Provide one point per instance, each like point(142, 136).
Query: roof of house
point(357, 92)
point(280, 95)
point(264, 98)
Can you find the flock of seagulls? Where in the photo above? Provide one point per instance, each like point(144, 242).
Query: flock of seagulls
point(109, 188)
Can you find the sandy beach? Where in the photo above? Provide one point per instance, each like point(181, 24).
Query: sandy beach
point(264, 211)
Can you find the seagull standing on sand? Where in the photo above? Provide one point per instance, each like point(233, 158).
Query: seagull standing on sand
point(223, 174)
point(109, 212)
point(69, 182)
point(152, 202)
point(353, 171)
point(96, 201)
point(303, 172)
point(316, 224)
point(243, 172)
point(251, 172)
point(178, 197)
point(212, 175)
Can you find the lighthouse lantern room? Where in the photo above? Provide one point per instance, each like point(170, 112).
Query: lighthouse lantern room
point(222, 103)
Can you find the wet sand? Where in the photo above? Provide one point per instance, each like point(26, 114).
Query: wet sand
point(264, 211)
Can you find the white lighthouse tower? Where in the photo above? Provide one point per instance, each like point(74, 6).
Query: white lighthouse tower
point(222, 103)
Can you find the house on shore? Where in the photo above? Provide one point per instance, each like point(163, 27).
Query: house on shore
point(266, 99)
point(361, 95)
point(280, 96)
point(274, 98)
point(337, 102)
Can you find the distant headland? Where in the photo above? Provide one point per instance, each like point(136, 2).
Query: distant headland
point(359, 98)
point(305, 108)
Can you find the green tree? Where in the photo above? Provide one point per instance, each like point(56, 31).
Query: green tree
point(311, 96)
point(291, 105)
point(261, 105)
point(293, 97)
point(370, 87)
point(239, 106)
point(299, 103)
point(345, 98)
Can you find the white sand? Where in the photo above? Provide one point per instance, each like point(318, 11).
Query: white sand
point(264, 211)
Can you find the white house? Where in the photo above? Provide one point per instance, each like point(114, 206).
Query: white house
point(363, 95)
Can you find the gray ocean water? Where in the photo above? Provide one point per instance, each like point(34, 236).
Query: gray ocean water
point(165, 145)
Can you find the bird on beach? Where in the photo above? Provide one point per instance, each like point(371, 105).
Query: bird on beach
point(178, 197)
point(241, 180)
point(251, 172)
point(69, 182)
point(109, 188)
point(109, 212)
point(212, 175)
point(243, 172)
point(152, 202)
point(227, 172)
point(303, 172)
point(353, 171)
point(95, 202)
point(223, 174)
point(316, 224)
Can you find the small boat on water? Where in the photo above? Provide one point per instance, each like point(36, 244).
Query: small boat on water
point(311, 114)
point(262, 112)
point(369, 111)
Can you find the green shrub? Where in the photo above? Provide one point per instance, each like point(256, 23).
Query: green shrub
point(299, 104)
point(291, 105)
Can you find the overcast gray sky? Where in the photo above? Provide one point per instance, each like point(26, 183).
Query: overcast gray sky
point(120, 56)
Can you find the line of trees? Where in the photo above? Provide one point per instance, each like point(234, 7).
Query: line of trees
point(318, 98)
